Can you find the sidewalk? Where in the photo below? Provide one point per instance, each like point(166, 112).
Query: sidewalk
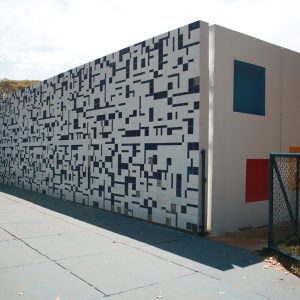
point(54, 249)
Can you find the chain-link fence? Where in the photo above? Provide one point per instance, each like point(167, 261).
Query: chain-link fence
point(284, 233)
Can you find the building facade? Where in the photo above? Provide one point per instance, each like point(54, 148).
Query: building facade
point(124, 132)
point(119, 133)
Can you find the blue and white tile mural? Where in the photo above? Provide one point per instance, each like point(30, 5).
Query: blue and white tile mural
point(120, 133)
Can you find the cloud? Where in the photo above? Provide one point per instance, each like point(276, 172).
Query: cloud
point(42, 38)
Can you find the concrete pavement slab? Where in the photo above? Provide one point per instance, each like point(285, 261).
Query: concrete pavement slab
point(124, 270)
point(46, 281)
point(74, 245)
point(133, 260)
point(16, 253)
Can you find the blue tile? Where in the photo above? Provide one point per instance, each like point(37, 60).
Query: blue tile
point(249, 88)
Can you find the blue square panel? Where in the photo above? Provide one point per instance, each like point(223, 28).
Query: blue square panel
point(249, 88)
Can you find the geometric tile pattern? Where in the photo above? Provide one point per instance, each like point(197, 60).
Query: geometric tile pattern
point(120, 133)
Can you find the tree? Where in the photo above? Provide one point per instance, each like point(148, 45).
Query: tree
point(8, 86)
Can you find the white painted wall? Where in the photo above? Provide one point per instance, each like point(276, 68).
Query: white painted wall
point(235, 137)
point(291, 99)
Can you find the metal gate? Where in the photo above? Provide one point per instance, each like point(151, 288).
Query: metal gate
point(284, 204)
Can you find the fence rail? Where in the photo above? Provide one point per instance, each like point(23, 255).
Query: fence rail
point(284, 229)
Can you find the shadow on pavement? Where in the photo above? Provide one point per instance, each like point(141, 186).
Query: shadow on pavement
point(199, 252)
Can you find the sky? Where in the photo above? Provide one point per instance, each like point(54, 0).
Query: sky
point(42, 38)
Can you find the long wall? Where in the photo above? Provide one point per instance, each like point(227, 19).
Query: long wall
point(124, 132)
point(120, 133)
point(245, 129)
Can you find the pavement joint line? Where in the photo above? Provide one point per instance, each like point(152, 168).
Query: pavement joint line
point(128, 245)
point(54, 234)
point(138, 247)
point(179, 277)
point(41, 236)
point(52, 260)
point(91, 254)
point(80, 278)
point(261, 295)
point(19, 222)
point(114, 251)
point(12, 239)
point(148, 285)
point(24, 265)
